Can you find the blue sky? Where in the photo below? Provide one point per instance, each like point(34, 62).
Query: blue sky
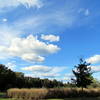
point(46, 38)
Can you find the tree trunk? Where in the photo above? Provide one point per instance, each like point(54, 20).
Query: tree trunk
point(82, 91)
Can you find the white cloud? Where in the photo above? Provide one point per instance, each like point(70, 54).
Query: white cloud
point(11, 65)
point(37, 68)
point(42, 23)
point(50, 75)
point(4, 20)
point(95, 68)
point(29, 49)
point(32, 57)
point(44, 71)
point(68, 76)
point(50, 37)
point(94, 59)
point(7, 33)
point(7, 5)
point(31, 3)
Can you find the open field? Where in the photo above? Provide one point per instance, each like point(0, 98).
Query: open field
point(47, 94)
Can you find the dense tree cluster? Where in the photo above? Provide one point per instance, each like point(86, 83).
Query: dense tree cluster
point(10, 79)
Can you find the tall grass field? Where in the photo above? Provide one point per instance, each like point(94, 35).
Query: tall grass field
point(40, 94)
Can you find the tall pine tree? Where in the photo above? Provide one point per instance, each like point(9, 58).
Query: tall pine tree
point(83, 74)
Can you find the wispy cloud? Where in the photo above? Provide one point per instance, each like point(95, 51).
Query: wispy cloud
point(95, 68)
point(43, 23)
point(44, 71)
point(83, 11)
point(31, 3)
point(7, 33)
point(8, 5)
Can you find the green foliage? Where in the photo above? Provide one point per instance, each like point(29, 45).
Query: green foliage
point(95, 84)
point(7, 77)
point(82, 74)
point(10, 79)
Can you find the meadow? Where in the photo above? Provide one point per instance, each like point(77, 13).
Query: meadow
point(61, 93)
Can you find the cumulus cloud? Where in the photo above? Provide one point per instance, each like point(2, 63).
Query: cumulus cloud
point(44, 71)
point(29, 49)
point(94, 59)
point(50, 38)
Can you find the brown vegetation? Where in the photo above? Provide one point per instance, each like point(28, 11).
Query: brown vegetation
point(38, 94)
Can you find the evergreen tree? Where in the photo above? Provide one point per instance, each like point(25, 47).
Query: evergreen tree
point(83, 74)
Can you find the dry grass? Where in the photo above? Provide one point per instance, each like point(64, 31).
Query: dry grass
point(27, 94)
point(38, 94)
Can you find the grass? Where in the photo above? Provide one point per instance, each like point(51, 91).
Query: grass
point(27, 94)
point(77, 99)
point(37, 94)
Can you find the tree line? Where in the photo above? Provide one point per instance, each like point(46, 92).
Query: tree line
point(82, 78)
point(11, 79)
